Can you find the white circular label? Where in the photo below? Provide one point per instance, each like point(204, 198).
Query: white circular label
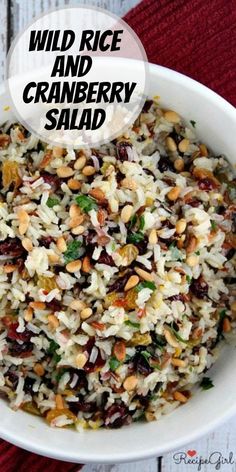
point(77, 76)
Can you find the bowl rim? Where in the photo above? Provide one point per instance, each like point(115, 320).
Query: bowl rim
point(148, 452)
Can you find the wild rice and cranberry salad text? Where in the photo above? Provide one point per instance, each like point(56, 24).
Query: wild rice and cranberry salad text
point(117, 267)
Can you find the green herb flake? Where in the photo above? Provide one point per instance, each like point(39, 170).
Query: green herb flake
point(86, 203)
point(51, 202)
point(145, 284)
point(159, 341)
point(193, 123)
point(206, 383)
point(176, 334)
point(146, 355)
point(213, 225)
point(114, 363)
point(132, 221)
point(59, 374)
point(197, 253)
point(132, 324)
point(135, 238)
point(176, 255)
point(188, 278)
point(52, 350)
point(141, 223)
point(73, 251)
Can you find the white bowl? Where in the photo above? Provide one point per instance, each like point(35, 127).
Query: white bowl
point(215, 125)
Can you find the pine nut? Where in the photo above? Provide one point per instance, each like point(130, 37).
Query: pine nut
point(74, 210)
point(80, 163)
point(126, 213)
point(57, 151)
point(27, 244)
point(120, 351)
point(24, 220)
point(180, 226)
point(180, 397)
point(149, 416)
point(53, 321)
point(233, 306)
point(174, 193)
point(81, 360)
point(132, 282)
point(77, 305)
point(170, 338)
point(86, 266)
point(97, 193)
point(203, 150)
point(130, 383)
point(88, 170)
point(171, 144)
point(78, 230)
point(39, 369)
point(74, 184)
point(59, 402)
point(64, 172)
point(152, 237)
point(28, 314)
point(53, 257)
point(129, 183)
point(73, 266)
point(192, 260)
point(9, 268)
point(192, 244)
point(144, 274)
point(226, 325)
point(101, 216)
point(178, 362)
point(37, 305)
point(179, 165)
point(86, 313)
point(76, 221)
point(61, 244)
point(171, 116)
point(183, 145)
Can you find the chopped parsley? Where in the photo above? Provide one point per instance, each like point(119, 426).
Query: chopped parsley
point(176, 334)
point(206, 383)
point(51, 202)
point(86, 203)
point(222, 316)
point(193, 123)
point(132, 324)
point(135, 238)
point(197, 253)
point(114, 363)
point(73, 251)
point(52, 350)
point(132, 221)
point(213, 225)
point(176, 255)
point(59, 374)
point(141, 223)
point(146, 355)
point(145, 284)
point(188, 278)
point(159, 341)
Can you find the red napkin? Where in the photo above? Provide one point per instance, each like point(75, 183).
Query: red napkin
point(197, 38)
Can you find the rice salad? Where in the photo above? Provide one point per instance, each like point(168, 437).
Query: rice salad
point(117, 271)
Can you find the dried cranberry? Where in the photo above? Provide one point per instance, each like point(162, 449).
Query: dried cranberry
point(176, 137)
point(199, 288)
point(147, 105)
point(178, 297)
point(11, 247)
point(206, 184)
point(89, 366)
point(54, 305)
point(81, 405)
point(194, 203)
point(46, 241)
point(28, 385)
point(81, 380)
point(141, 364)
point(122, 150)
point(21, 350)
point(142, 246)
point(165, 164)
point(119, 284)
point(105, 258)
point(221, 210)
point(14, 335)
point(13, 378)
point(114, 411)
point(51, 180)
point(230, 254)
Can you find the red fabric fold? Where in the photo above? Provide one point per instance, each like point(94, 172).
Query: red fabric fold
point(197, 38)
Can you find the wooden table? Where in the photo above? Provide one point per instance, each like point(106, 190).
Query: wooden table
point(14, 16)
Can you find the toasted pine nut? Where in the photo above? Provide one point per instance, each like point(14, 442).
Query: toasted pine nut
point(149, 416)
point(78, 230)
point(86, 266)
point(197, 333)
point(171, 116)
point(170, 338)
point(101, 216)
point(132, 282)
point(97, 193)
point(74, 184)
point(171, 144)
point(120, 351)
point(88, 170)
point(65, 171)
point(103, 240)
point(192, 244)
point(74, 210)
point(53, 257)
point(226, 325)
point(46, 160)
point(39, 369)
point(174, 193)
point(53, 321)
point(233, 306)
point(61, 244)
point(180, 226)
point(24, 220)
point(192, 260)
point(80, 163)
point(81, 360)
point(37, 305)
point(28, 314)
point(86, 313)
point(144, 274)
point(178, 362)
point(57, 151)
point(179, 164)
point(77, 305)
point(203, 150)
point(59, 402)
point(183, 145)
point(76, 221)
point(126, 213)
point(9, 268)
point(130, 383)
point(27, 244)
point(73, 266)
point(129, 183)
point(152, 237)
point(180, 242)
point(180, 397)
